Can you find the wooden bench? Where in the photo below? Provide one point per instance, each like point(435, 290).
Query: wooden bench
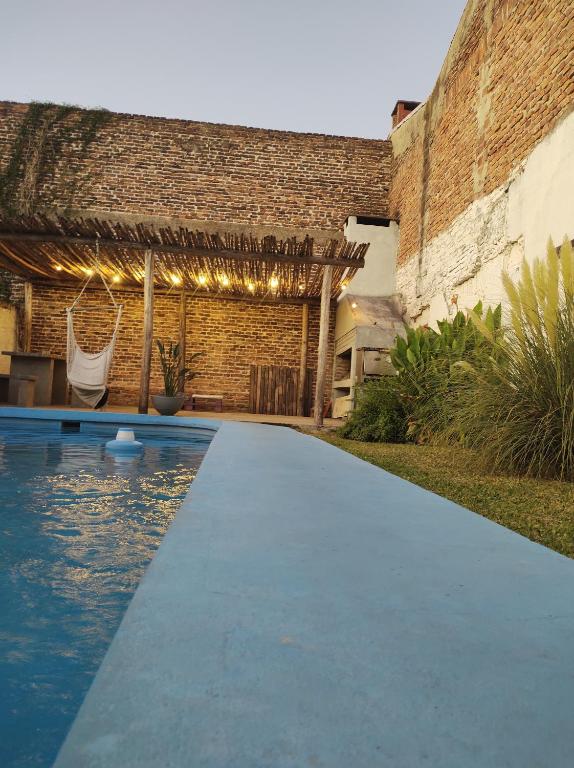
point(216, 400)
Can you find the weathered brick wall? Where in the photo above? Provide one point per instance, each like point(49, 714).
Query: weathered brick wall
point(230, 334)
point(506, 82)
point(156, 167)
point(149, 166)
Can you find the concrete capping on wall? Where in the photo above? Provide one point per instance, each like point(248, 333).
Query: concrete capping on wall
point(403, 134)
point(205, 126)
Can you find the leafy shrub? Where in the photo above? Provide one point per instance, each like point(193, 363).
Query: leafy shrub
point(413, 404)
point(518, 406)
point(424, 361)
point(378, 415)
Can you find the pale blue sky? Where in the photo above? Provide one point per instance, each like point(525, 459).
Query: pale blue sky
point(317, 65)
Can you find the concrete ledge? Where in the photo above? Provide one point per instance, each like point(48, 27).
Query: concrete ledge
point(105, 417)
point(308, 609)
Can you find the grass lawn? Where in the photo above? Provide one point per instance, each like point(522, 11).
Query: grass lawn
point(542, 510)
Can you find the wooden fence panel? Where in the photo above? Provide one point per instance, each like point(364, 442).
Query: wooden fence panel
point(273, 389)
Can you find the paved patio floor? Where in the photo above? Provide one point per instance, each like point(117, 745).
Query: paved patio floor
point(309, 609)
point(255, 418)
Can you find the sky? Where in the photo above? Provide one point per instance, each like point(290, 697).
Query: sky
point(324, 66)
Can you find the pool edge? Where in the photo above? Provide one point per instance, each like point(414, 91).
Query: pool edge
point(53, 414)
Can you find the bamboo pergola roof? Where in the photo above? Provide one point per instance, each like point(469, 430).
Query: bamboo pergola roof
point(60, 249)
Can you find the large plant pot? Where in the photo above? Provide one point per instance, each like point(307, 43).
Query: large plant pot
point(167, 406)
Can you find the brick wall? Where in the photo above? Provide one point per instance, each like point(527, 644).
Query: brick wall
point(231, 334)
point(506, 82)
point(149, 166)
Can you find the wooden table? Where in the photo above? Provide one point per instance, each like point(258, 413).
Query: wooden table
point(50, 373)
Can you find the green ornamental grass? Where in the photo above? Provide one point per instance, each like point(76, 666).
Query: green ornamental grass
point(517, 406)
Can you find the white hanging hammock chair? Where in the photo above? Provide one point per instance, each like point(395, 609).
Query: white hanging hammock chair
point(88, 372)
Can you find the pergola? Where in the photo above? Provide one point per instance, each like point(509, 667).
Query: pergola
point(66, 250)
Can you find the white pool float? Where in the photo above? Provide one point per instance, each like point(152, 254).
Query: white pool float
point(124, 443)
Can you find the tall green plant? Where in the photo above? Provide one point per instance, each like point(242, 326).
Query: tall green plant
point(378, 415)
point(414, 404)
point(518, 408)
point(424, 361)
point(175, 375)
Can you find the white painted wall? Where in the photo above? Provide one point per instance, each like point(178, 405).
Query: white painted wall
point(495, 233)
point(377, 278)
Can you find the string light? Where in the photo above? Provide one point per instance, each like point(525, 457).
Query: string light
point(354, 305)
point(274, 282)
point(301, 286)
point(250, 287)
point(175, 279)
point(116, 279)
point(89, 272)
point(224, 280)
point(58, 268)
point(202, 279)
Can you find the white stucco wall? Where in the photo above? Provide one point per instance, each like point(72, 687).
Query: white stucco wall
point(495, 233)
point(377, 278)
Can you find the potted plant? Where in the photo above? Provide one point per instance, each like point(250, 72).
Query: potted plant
point(175, 375)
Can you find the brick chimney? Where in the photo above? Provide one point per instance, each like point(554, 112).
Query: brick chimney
point(403, 109)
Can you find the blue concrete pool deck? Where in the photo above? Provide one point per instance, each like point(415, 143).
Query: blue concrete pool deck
point(308, 609)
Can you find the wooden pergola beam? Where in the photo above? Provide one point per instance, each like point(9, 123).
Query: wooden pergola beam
point(27, 334)
point(182, 329)
point(323, 347)
point(147, 333)
point(191, 293)
point(180, 249)
point(303, 359)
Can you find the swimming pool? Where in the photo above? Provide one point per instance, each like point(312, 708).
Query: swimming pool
point(77, 528)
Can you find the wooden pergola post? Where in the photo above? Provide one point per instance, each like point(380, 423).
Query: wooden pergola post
point(27, 330)
point(323, 345)
point(303, 361)
point(147, 332)
point(182, 325)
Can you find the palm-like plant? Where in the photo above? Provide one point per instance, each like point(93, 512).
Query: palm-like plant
point(175, 375)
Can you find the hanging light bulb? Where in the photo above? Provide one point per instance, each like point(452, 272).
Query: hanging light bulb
point(116, 279)
point(274, 282)
point(301, 286)
point(344, 285)
point(224, 280)
point(202, 279)
point(175, 279)
point(354, 305)
point(89, 272)
point(250, 287)
point(58, 268)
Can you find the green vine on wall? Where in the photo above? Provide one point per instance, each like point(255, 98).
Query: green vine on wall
point(49, 134)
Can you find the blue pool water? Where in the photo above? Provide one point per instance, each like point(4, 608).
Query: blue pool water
point(77, 529)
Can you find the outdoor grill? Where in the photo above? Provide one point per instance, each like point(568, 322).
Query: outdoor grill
point(365, 331)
